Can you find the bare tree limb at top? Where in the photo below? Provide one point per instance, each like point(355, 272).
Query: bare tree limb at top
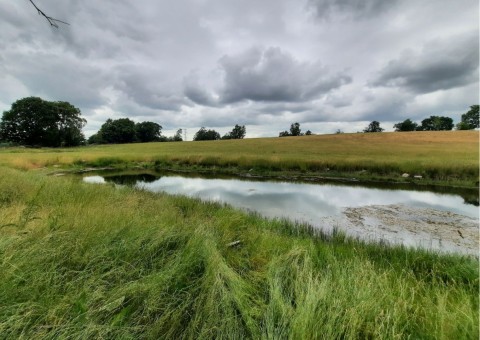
point(52, 21)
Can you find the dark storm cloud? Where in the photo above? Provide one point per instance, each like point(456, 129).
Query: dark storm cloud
point(439, 66)
point(273, 75)
point(350, 8)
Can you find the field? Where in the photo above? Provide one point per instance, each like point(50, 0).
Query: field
point(450, 156)
point(80, 260)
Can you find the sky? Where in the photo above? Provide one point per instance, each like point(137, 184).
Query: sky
point(265, 64)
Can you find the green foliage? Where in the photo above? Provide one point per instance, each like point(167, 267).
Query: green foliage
point(406, 125)
point(294, 131)
point(373, 127)
point(118, 131)
point(148, 132)
point(436, 123)
point(37, 122)
point(204, 134)
point(238, 132)
point(470, 119)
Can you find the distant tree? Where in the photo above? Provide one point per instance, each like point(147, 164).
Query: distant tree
point(295, 129)
point(470, 119)
point(406, 125)
point(436, 123)
point(34, 121)
point(284, 134)
point(308, 133)
point(373, 127)
point(204, 134)
point(148, 132)
point(178, 136)
point(118, 131)
point(338, 131)
point(238, 132)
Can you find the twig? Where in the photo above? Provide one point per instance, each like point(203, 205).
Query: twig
point(52, 21)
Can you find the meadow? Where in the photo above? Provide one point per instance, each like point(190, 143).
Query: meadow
point(81, 260)
point(449, 157)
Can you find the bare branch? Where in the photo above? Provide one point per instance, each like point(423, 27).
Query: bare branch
point(52, 21)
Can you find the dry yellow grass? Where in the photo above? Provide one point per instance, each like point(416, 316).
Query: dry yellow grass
point(449, 153)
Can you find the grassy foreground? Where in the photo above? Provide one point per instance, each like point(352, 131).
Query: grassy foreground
point(88, 261)
point(448, 157)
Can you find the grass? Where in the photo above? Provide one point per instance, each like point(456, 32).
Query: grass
point(79, 260)
point(449, 157)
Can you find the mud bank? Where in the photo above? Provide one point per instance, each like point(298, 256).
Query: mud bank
point(413, 227)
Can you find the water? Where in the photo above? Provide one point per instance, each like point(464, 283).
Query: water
point(296, 201)
point(394, 214)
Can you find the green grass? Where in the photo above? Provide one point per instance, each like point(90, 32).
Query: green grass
point(449, 157)
point(80, 260)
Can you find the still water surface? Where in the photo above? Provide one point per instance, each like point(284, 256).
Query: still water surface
point(296, 201)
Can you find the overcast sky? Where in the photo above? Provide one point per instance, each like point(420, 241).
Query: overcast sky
point(327, 64)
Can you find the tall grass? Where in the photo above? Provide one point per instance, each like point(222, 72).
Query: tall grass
point(92, 261)
point(446, 156)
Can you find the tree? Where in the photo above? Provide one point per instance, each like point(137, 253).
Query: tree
point(406, 125)
point(308, 133)
point(34, 121)
point(295, 129)
point(238, 132)
point(178, 136)
point(470, 119)
point(52, 21)
point(204, 134)
point(373, 127)
point(118, 131)
point(436, 123)
point(148, 132)
point(283, 134)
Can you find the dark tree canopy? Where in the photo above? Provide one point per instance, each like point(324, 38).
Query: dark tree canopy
point(117, 131)
point(34, 121)
point(406, 125)
point(148, 132)
point(436, 123)
point(295, 129)
point(238, 132)
point(470, 119)
point(204, 134)
point(373, 127)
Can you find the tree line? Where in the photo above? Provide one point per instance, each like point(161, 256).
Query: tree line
point(33, 121)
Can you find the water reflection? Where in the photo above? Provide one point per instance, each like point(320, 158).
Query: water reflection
point(298, 201)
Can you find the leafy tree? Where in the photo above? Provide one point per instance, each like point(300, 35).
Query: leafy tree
point(118, 131)
point(308, 133)
point(283, 134)
point(295, 129)
point(178, 136)
point(238, 132)
point(373, 127)
point(34, 121)
point(406, 125)
point(470, 119)
point(436, 123)
point(204, 134)
point(148, 132)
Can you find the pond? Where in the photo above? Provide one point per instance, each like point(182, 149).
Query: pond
point(324, 205)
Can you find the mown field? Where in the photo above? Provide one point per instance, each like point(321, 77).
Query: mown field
point(81, 260)
point(88, 261)
point(451, 156)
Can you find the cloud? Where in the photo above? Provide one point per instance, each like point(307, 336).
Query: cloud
point(273, 75)
point(438, 66)
point(350, 8)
